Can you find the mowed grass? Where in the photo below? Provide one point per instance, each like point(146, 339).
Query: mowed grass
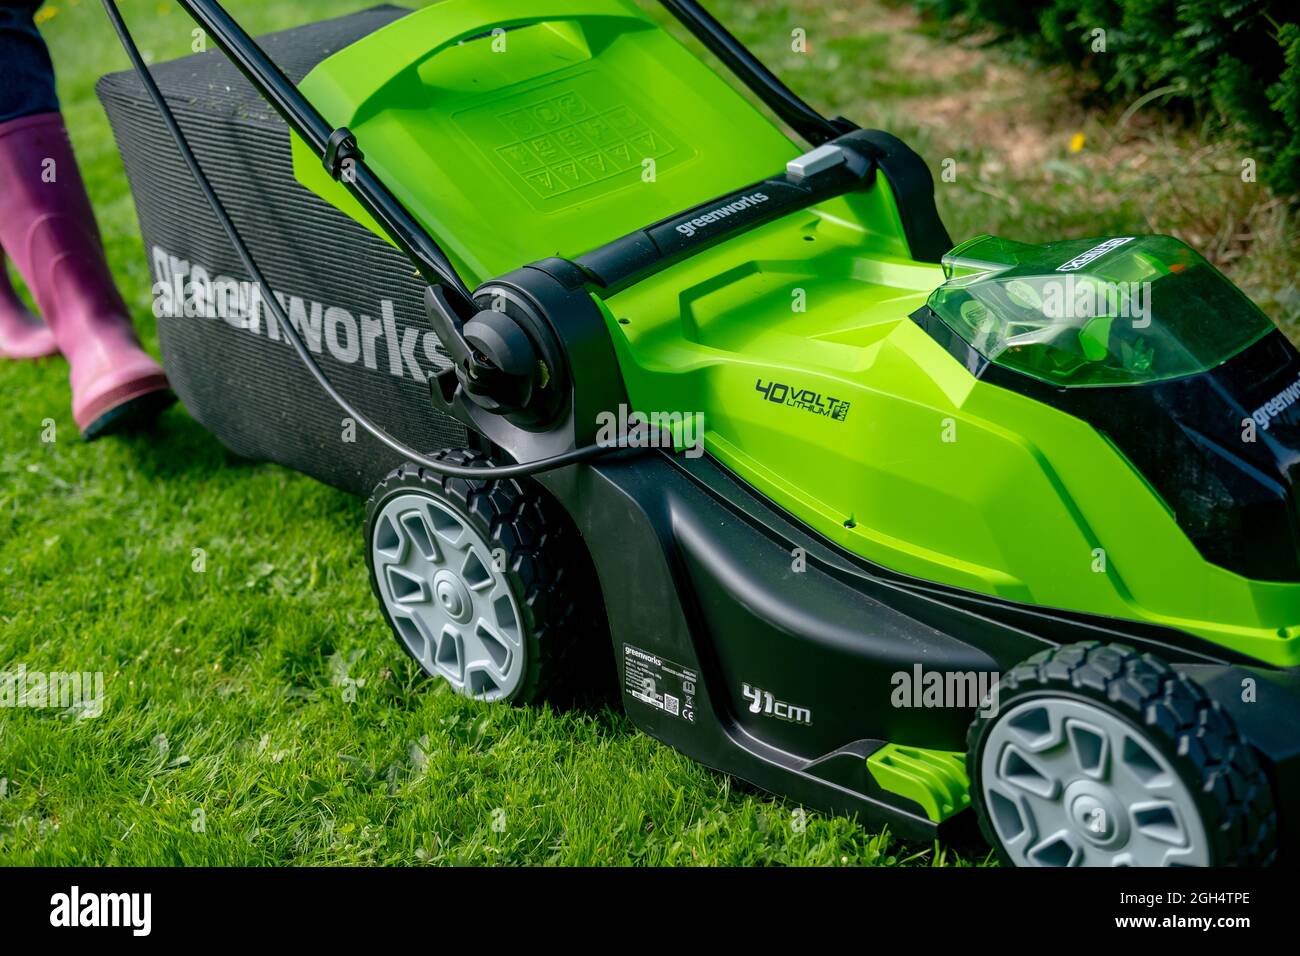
point(258, 711)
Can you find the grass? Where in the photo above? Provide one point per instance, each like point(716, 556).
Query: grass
point(259, 713)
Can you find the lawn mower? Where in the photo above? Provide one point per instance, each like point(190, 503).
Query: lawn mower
point(932, 535)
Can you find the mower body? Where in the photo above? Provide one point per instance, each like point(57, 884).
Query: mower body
point(859, 487)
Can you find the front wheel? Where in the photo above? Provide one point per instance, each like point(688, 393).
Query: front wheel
point(1097, 755)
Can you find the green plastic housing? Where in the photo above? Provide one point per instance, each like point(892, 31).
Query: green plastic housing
point(572, 125)
point(794, 341)
point(820, 391)
point(1122, 310)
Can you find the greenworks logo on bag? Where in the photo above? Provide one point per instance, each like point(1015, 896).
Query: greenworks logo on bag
point(190, 290)
point(691, 226)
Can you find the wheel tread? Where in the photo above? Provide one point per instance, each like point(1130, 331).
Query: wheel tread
point(516, 517)
point(1233, 787)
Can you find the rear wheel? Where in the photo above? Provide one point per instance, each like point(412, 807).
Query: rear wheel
point(1101, 756)
point(478, 580)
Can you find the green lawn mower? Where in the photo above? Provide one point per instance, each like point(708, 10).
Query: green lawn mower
point(925, 534)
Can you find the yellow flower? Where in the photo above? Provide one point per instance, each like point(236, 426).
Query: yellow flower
point(1076, 142)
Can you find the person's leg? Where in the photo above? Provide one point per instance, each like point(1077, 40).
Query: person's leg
point(22, 335)
point(27, 80)
point(26, 87)
point(48, 228)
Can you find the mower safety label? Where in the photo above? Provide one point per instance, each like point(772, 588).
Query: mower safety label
point(660, 683)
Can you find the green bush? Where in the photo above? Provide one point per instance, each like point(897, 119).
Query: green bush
point(1237, 58)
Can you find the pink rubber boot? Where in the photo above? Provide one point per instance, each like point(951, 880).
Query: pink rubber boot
point(22, 335)
point(47, 226)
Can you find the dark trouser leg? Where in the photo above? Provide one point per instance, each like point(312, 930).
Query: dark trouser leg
point(27, 77)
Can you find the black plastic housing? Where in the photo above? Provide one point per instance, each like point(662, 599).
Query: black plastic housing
point(698, 570)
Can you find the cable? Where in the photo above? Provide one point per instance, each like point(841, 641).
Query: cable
point(201, 179)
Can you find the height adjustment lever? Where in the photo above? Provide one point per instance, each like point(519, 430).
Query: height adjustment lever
point(494, 359)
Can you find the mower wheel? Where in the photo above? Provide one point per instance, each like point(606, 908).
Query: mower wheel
point(1097, 755)
point(478, 580)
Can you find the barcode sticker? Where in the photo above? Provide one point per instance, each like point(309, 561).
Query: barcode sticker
point(651, 680)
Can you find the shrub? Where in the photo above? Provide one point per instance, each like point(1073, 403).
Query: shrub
point(1237, 58)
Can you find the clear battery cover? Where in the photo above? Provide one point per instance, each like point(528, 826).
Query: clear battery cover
point(1123, 310)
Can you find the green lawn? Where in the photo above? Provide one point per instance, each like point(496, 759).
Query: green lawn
point(228, 734)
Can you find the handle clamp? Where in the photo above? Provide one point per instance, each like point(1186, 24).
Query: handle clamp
point(339, 148)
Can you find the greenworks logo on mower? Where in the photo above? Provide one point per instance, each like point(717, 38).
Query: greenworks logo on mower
point(781, 394)
point(1276, 405)
point(1096, 252)
point(189, 290)
point(691, 226)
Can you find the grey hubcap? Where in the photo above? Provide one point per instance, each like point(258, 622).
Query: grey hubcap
point(1067, 783)
point(454, 611)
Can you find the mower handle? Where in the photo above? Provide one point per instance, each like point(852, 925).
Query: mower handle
point(409, 46)
point(306, 120)
point(751, 71)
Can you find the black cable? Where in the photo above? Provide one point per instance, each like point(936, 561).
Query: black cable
point(306, 121)
point(201, 179)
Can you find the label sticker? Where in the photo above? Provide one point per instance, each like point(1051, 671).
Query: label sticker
point(1096, 252)
point(662, 684)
